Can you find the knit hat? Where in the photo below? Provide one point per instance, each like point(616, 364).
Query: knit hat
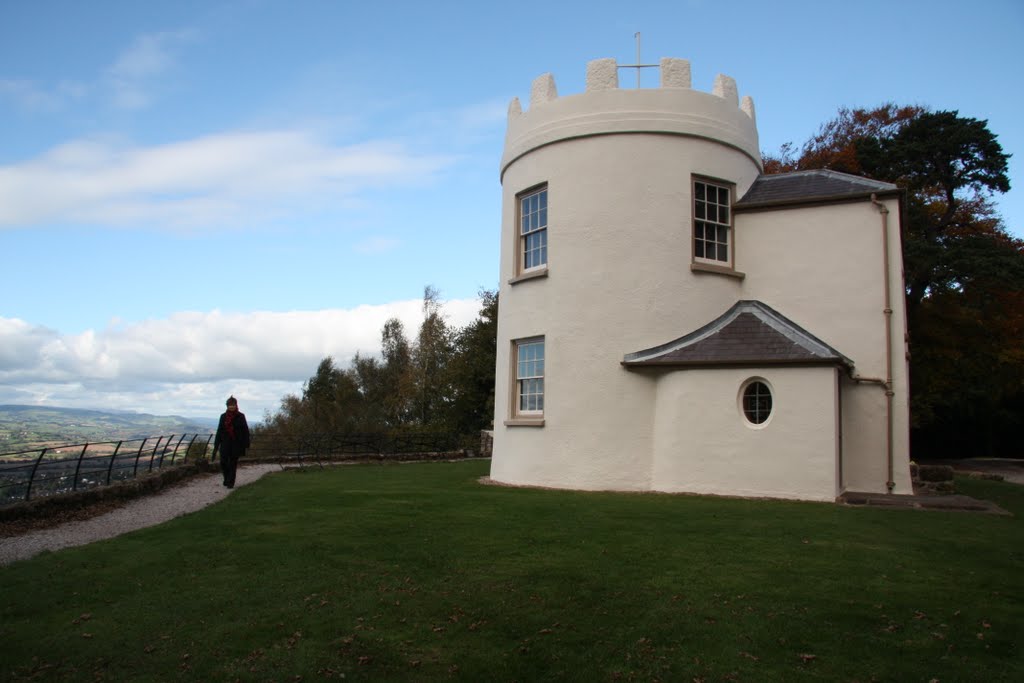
point(232, 401)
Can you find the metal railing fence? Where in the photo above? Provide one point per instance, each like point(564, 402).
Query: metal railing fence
point(323, 446)
point(35, 473)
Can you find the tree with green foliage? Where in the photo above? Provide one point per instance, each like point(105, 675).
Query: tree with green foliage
point(443, 382)
point(473, 367)
point(430, 359)
point(964, 271)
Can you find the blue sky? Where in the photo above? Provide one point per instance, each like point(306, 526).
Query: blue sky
point(203, 198)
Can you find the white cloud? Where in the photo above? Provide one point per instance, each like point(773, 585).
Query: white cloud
point(189, 362)
point(137, 70)
point(222, 179)
point(33, 97)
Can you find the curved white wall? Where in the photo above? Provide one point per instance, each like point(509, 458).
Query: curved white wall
point(703, 444)
point(618, 167)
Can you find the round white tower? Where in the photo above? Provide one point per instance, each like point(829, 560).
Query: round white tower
point(616, 235)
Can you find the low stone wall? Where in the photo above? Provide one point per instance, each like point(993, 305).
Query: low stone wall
point(121, 491)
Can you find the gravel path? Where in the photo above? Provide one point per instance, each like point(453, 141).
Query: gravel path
point(137, 514)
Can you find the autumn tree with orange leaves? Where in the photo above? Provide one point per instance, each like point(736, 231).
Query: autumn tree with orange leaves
point(964, 271)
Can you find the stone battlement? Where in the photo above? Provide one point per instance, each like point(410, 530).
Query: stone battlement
point(604, 108)
point(603, 74)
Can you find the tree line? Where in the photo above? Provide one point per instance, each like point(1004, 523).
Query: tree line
point(964, 276)
point(440, 381)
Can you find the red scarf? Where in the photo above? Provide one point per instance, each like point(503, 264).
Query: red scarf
point(229, 424)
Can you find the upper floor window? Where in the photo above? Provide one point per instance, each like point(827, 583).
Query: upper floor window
point(712, 222)
point(533, 229)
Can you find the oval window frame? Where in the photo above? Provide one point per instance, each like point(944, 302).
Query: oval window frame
point(741, 402)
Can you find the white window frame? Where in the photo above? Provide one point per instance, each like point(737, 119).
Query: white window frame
point(531, 224)
point(528, 385)
point(708, 214)
point(744, 408)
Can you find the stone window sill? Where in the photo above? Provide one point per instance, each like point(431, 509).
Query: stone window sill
point(698, 267)
point(529, 275)
point(525, 422)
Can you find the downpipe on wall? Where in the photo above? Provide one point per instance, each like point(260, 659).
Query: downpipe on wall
point(886, 384)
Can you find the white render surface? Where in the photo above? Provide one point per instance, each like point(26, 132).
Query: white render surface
point(618, 165)
point(703, 444)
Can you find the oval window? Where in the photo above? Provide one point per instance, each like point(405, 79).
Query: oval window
point(757, 402)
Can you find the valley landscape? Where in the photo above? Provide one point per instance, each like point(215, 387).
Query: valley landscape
point(32, 427)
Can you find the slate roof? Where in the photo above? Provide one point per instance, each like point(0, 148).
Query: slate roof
point(803, 187)
point(749, 333)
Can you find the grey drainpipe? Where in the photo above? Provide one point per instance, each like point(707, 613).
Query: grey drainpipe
point(884, 214)
point(886, 383)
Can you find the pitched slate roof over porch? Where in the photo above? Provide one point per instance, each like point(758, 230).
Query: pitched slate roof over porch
point(810, 187)
point(749, 333)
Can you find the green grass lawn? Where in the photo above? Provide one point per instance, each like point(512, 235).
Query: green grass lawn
point(418, 572)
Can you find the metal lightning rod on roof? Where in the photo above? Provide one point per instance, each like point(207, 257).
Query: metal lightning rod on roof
point(638, 65)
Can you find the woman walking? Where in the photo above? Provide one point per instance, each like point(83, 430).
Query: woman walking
point(232, 439)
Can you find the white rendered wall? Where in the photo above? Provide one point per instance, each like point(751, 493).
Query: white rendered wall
point(618, 166)
point(619, 251)
point(703, 444)
point(822, 267)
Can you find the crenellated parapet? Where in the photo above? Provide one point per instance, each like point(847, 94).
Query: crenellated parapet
point(604, 108)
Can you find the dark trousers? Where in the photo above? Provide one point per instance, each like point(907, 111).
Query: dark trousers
point(229, 455)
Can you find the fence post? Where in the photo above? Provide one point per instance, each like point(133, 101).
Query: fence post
point(152, 455)
point(189, 449)
point(113, 459)
point(166, 446)
point(138, 455)
point(78, 466)
point(32, 476)
point(176, 447)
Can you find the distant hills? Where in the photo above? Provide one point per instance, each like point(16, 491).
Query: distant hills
point(27, 427)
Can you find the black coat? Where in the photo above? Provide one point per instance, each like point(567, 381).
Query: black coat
point(241, 440)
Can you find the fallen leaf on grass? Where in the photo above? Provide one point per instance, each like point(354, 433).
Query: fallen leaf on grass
point(89, 635)
point(807, 657)
point(750, 656)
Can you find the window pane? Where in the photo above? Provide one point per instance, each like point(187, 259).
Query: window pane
point(698, 189)
point(543, 216)
point(757, 402)
point(530, 376)
point(723, 214)
point(544, 200)
point(699, 210)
